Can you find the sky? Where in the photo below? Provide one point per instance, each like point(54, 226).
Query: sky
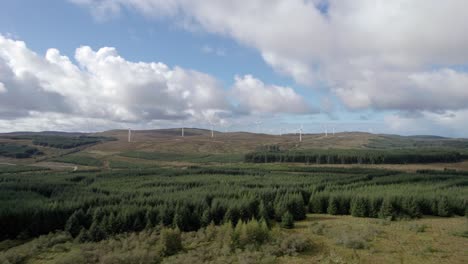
point(271, 66)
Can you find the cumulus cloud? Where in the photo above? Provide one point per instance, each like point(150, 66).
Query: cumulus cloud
point(372, 54)
point(255, 96)
point(103, 85)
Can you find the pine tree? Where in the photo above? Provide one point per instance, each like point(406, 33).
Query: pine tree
point(232, 216)
point(73, 225)
point(359, 207)
point(206, 218)
point(263, 213)
point(443, 207)
point(332, 206)
point(387, 210)
point(287, 221)
point(95, 232)
point(137, 224)
point(412, 207)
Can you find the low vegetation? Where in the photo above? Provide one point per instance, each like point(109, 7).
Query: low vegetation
point(80, 160)
point(19, 168)
point(17, 151)
point(195, 158)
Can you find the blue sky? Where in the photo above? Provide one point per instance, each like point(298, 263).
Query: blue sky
point(312, 68)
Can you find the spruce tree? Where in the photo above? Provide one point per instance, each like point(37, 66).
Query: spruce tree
point(73, 225)
point(206, 218)
point(359, 207)
point(95, 232)
point(443, 207)
point(387, 210)
point(287, 221)
point(332, 206)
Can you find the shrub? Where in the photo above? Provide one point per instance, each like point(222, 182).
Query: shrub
point(417, 228)
point(293, 244)
point(353, 241)
point(171, 241)
point(287, 220)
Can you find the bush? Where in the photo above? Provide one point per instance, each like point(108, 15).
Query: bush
point(418, 228)
point(353, 241)
point(287, 220)
point(171, 241)
point(293, 244)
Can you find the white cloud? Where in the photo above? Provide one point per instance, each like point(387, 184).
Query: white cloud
point(255, 96)
point(371, 53)
point(105, 86)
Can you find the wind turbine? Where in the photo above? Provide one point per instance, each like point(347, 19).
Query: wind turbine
point(300, 133)
point(129, 135)
point(182, 131)
point(212, 127)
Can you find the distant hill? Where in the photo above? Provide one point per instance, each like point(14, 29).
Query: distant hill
point(199, 141)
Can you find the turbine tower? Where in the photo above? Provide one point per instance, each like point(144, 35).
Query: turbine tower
point(300, 133)
point(129, 135)
point(212, 133)
point(182, 132)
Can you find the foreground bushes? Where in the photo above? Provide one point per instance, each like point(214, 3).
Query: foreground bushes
point(250, 240)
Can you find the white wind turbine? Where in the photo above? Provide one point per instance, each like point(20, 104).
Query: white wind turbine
point(300, 133)
point(212, 129)
point(183, 132)
point(129, 135)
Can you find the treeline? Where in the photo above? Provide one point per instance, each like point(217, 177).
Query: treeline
point(17, 151)
point(96, 205)
point(355, 156)
point(387, 207)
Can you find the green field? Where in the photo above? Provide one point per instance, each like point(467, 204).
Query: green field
point(143, 206)
point(195, 158)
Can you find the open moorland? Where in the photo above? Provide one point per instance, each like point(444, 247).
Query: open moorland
point(236, 197)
